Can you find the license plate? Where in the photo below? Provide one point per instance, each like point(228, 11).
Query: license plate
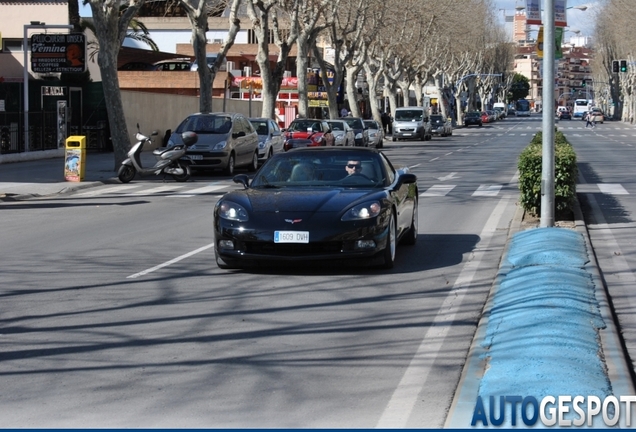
point(195, 157)
point(291, 236)
point(407, 134)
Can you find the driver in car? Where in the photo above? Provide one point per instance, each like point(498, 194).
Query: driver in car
point(353, 167)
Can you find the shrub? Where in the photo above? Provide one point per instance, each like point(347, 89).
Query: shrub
point(565, 173)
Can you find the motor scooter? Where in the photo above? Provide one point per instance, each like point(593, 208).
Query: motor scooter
point(170, 161)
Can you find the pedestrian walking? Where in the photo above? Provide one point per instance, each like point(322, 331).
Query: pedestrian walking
point(588, 121)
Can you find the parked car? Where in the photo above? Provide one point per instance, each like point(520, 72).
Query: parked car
point(226, 141)
point(360, 131)
point(137, 66)
point(411, 122)
point(173, 65)
point(313, 204)
point(492, 116)
point(441, 125)
point(342, 133)
point(472, 118)
point(597, 115)
point(376, 133)
point(210, 59)
point(270, 137)
point(485, 117)
point(308, 133)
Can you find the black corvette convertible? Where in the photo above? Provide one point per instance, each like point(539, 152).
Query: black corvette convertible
point(318, 203)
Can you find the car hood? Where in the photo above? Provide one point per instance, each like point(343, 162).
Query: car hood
point(300, 200)
point(204, 141)
point(300, 134)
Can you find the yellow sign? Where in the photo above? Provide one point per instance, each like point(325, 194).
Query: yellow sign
point(314, 103)
point(540, 43)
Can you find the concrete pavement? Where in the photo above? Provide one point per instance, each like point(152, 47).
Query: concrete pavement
point(567, 275)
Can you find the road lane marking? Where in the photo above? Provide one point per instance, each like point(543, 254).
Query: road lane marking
point(398, 410)
point(197, 191)
point(172, 261)
point(487, 190)
point(155, 190)
point(612, 189)
point(104, 191)
point(437, 190)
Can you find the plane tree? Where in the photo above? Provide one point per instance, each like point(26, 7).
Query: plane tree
point(111, 19)
point(198, 12)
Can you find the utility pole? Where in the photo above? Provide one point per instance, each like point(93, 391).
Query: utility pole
point(547, 154)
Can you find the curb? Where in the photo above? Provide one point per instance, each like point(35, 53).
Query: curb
point(619, 373)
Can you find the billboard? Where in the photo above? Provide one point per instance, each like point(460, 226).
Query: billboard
point(56, 53)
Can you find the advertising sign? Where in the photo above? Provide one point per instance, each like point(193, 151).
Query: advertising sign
point(56, 53)
point(533, 12)
point(558, 41)
point(560, 17)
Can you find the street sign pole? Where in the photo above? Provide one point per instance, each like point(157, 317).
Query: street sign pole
point(547, 166)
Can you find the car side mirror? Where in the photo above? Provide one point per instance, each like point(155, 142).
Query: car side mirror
point(406, 178)
point(242, 179)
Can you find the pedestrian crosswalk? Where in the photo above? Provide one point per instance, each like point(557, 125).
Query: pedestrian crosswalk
point(489, 190)
point(193, 189)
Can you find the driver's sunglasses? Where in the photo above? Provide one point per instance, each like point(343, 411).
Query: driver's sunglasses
point(352, 166)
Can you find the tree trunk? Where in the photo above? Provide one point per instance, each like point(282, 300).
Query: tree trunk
point(302, 63)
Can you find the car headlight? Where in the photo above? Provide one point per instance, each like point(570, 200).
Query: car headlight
point(220, 146)
point(359, 135)
point(232, 211)
point(262, 145)
point(363, 211)
point(372, 135)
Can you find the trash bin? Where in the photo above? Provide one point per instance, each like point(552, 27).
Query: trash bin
point(75, 158)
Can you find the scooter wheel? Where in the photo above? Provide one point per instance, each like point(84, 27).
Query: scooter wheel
point(186, 173)
point(126, 173)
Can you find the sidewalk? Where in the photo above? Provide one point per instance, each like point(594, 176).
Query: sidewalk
point(42, 177)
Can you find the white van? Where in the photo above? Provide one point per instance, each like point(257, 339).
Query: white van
point(410, 123)
point(500, 106)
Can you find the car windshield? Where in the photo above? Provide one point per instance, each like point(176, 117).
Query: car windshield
point(473, 114)
point(409, 115)
point(206, 124)
point(336, 126)
point(260, 126)
point(321, 169)
point(355, 123)
point(436, 119)
point(304, 125)
point(371, 124)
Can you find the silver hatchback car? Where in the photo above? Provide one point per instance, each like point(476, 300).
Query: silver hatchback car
point(225, 141)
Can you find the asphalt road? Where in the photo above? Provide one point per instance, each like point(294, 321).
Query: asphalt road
point(115, 315)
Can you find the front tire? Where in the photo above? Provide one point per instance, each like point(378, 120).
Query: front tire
point(126, 173)
point(410, 238)
point(389, 250)
point(254, 165)
point(186, 173)
point(231, 165)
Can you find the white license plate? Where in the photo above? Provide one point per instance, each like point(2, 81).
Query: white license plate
point(195, 157)
point(407, 134)
point(291, 236)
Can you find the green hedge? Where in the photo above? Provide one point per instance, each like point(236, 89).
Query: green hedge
point(565, 173)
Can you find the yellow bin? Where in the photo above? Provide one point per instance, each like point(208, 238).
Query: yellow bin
point(75, 159)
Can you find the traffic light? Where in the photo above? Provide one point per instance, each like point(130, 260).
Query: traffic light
point(623, 65)
point(615, 66)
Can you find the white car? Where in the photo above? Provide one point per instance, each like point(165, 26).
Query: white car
point(376, 133)
point(270, 137)
point(342, 133)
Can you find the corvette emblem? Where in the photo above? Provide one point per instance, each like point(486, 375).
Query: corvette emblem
point(293, 221)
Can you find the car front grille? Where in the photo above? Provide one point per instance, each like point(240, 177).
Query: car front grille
point(293, 249)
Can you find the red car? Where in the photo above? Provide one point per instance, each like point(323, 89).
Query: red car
point(485, 118)
point(308, 133)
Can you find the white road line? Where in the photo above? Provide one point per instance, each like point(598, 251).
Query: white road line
point(172, 261)
point(434, 159)
point(437, 190)
point(398, 410)
point(487, 190)
point(198, 191)
point(155, 190)
point(612, 189)
point(107, 190)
